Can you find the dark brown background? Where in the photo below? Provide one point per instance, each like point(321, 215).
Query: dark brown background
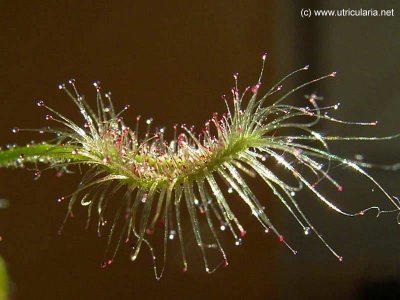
point(172, 62)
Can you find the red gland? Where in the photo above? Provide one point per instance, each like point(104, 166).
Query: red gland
point(254, 88)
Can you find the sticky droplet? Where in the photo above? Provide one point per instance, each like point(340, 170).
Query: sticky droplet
point(37, 174)
point(254, 88)
point(104, 265)
point(307, 230)
point(172, 234)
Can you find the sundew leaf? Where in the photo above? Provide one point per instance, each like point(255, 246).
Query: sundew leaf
point(198, 172)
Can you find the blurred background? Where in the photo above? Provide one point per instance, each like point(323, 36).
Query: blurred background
point(173, 61)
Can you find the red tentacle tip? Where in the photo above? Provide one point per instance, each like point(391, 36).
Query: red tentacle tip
point(264, 56)
point(254, 88)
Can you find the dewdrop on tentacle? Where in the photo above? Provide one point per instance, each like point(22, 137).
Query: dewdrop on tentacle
point(200, 173)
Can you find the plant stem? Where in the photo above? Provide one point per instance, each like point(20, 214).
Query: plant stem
point(33, 153)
